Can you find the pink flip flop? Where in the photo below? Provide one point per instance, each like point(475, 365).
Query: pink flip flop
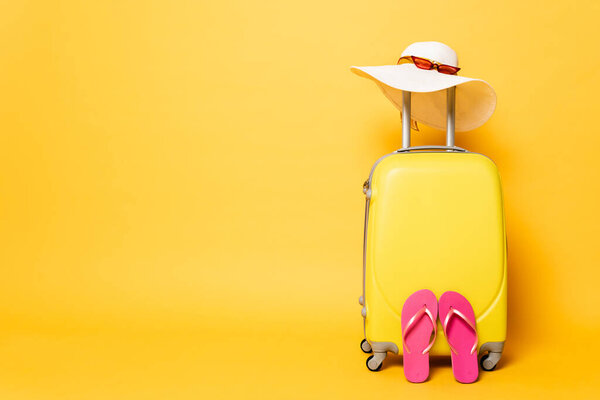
point(458, 321)
point(419, 329)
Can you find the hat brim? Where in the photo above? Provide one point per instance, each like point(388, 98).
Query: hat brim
point(475, 98)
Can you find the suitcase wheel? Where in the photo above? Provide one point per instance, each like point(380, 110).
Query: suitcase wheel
point(365, 346)
point(375, 362)
point(488, 364)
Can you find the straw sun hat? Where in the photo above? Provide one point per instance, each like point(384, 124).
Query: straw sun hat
point(475, 99)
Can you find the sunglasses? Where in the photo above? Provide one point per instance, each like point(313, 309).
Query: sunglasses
point(424, 63)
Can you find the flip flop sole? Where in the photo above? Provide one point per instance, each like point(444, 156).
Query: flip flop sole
point(416, 364)
point(460, 336)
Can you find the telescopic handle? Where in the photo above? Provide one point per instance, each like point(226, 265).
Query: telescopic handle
point(426, 148)
point(405, 119)
point(450, 117)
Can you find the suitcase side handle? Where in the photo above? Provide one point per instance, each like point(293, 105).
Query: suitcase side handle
point(450, 117)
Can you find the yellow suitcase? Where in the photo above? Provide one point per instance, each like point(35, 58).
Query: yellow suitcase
point(434, 220)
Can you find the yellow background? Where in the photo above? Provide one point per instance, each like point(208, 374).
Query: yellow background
point(180, 194)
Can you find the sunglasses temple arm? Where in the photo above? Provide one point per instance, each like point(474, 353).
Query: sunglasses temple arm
point(450, 113)
point(405, 119)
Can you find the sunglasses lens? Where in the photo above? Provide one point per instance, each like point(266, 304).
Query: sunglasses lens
point(447, 69)
point(422, 63)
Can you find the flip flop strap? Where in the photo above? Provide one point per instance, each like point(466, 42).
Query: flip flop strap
point(452, 312)
point(411, 324)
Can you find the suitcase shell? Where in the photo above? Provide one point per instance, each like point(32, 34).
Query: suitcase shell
point(433, 220)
